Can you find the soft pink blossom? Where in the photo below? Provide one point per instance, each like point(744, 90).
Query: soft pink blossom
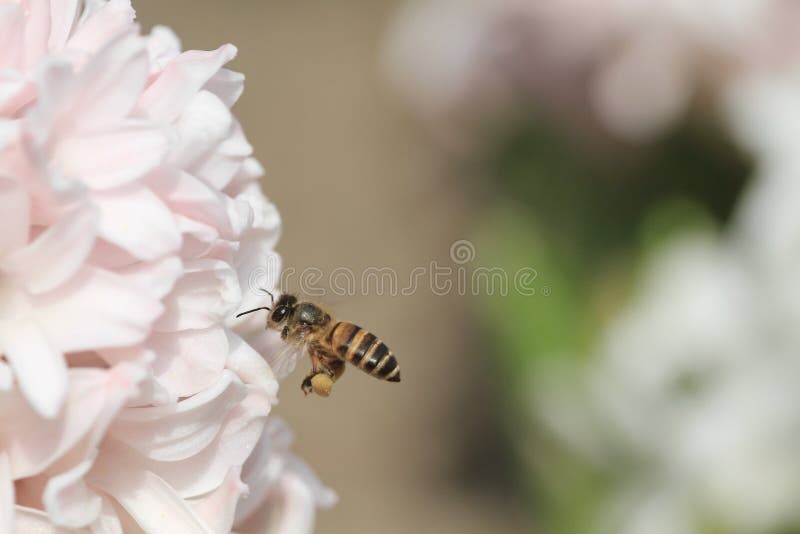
point(129, 400)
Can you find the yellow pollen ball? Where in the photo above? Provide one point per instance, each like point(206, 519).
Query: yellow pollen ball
point(321, 384)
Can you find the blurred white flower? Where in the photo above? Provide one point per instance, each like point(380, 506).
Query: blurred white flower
point(634, 66)
point(693, 400)
point(129, 400)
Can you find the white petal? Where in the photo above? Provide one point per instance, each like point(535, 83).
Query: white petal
point(163, 46)
point(203, 125)
point(206, 295)
point(167, 96)
point(250, 367)
point(70, 240)
point(176, 432)
point(222, 165)
point(266, 216)
point(205, 470)
point(6, 495)
point(68, 501)
point(15, 207)
point(63, 15)
point(38, 366)
point(258, 268)
point(218, 508)
point(6, 377)
point(157, 278)
point(192, 198)
point(94, 398)
point(134, 219)
point(95, 310)
point(37, 29)
point(189, 361)
point(108, 522)
point(248, 174)
point(264, 466)
point(112, 81)
point(112, 156)
point(30, 521)
point(15, 92)
point(98, 26)
point(227, 85)
point(12, 25)
point(150, 501)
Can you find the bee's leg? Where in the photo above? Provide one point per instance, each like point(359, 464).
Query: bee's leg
point(305, 386)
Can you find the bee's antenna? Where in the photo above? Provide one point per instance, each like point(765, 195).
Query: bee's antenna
point(271, 296)
point(251, 311)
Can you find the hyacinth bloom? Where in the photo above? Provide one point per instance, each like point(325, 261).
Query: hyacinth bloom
point(130, 400)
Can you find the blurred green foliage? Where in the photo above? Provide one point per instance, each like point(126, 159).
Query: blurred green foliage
point(585, 220)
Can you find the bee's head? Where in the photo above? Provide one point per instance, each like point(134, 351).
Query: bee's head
point(281, 311)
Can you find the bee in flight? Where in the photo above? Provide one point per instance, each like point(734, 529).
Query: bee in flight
point(307, 327)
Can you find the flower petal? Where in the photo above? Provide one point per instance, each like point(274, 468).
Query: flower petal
point(227, 85)
point(192, 198)
point(258, 267)
point(149, 500)
point(218, 508)
point(189, 361)
point(250, 367)
point(6, 495)
point(70, 240)
point(203, 125)
point(15, 92)
point(112, 156)
point(181, 79)
point(15, 207)
point(68, 500)
point(12, 25)
point(291, 508)
point(93, 398)
point(29, 520)
point(99, 96)
point(6, 377)
point(63, 15)
point(38, 366)
point(163, 46)
point(206, 295)
point(233, 444)
point(95, 310)
point(134, 219)
point(98, 26)
point(222, 165)
point(109, 522)
point(265, 214)
point(176, 432)
point(37, 30)
point(156, 278)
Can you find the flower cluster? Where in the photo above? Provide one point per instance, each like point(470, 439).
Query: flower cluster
point(632, 66)
point(130, 400)
point(693, 399)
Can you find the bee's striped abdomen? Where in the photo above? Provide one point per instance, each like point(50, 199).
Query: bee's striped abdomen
point(362, 349)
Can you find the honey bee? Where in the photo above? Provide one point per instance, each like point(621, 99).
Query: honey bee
point(309, 328)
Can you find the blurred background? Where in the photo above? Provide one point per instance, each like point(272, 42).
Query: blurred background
point(635, 159)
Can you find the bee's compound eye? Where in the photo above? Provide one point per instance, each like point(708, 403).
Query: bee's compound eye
point(280, 314)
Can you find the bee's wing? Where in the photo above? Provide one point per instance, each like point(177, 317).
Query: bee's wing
point(284, 361)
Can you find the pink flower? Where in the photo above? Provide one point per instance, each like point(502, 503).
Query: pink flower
point(129, 399)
